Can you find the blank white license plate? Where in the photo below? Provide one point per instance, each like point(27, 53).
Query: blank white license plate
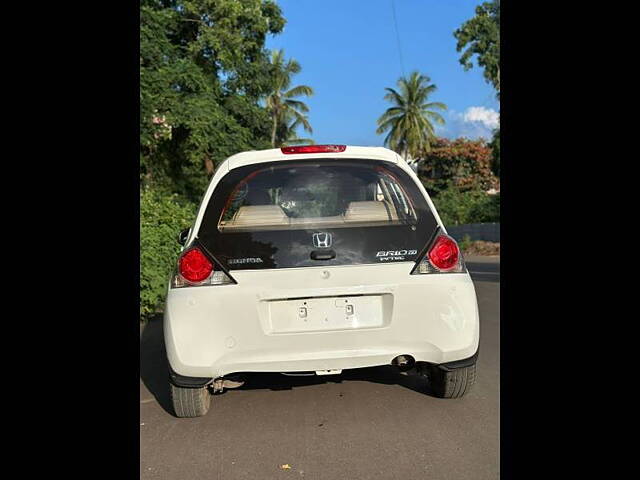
point(330, 313)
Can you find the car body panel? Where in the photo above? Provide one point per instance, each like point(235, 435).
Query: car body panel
point(217, 330)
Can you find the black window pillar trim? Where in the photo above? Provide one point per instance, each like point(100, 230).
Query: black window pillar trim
point(425, 249)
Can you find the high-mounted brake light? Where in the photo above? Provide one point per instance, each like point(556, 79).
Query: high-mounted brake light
point(443, 257)
point(314, 149)
point(194, 266)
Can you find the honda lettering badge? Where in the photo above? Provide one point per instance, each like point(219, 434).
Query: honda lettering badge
point(322, 240)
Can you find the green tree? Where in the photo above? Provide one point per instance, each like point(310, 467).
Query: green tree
point(286, 133)
point(410, 120)
point(162, 216)
point(203, 69)
point(495, 150)
point(461, 163)
point(481, 36)
point(285, 111)
point(457, 207)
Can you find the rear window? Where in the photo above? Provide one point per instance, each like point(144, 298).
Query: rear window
point(281, 214)
point(303, 196)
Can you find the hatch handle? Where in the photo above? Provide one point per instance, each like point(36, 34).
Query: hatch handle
point(323, 254)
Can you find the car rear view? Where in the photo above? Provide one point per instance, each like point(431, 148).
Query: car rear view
point(314, 260)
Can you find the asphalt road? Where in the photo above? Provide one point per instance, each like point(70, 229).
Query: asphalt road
point(365, 424)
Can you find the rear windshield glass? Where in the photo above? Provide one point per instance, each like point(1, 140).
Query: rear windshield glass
point(299, 196)
point(281, 214)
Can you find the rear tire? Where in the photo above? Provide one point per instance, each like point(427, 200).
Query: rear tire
point(452, 383)
point(190, 402)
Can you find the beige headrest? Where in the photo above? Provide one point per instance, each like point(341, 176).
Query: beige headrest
point(371, 211)
point(258, 215)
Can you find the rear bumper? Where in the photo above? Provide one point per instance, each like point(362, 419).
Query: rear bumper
point(199, 382)
point(215, 331)
point(463, 363)
point(341, 360)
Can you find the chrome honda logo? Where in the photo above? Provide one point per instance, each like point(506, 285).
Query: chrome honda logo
point(322, 240)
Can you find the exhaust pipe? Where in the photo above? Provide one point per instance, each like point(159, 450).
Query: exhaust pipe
point(231, 381)
point(404, 362)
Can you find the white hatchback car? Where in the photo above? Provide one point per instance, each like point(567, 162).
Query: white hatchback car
point(313, 260)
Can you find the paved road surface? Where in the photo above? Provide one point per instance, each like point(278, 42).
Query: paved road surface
point(368, 424)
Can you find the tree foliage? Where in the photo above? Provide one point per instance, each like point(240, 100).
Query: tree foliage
point(286, 112)
point(203, 68)
point(410, 120)
point(461, 163)
point(495, 152)
point(162, 216)
point(457, 207)
point(286, 133)
point(481, 36)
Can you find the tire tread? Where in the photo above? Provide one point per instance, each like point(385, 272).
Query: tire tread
point(190, 402)
point(452, 384)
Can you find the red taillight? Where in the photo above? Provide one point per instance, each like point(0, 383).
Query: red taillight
point(194, 266)
point(314, 149)
point(444, 253)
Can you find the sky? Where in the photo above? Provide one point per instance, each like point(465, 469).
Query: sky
point(349, 53)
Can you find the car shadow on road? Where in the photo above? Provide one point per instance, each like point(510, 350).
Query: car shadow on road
point(153, 363)
point(386, 374)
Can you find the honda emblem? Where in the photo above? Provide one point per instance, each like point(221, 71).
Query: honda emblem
point(322, 240)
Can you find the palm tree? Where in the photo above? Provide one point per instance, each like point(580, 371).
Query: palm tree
point(286, 132)
point(281, 104)
point(409, 121)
